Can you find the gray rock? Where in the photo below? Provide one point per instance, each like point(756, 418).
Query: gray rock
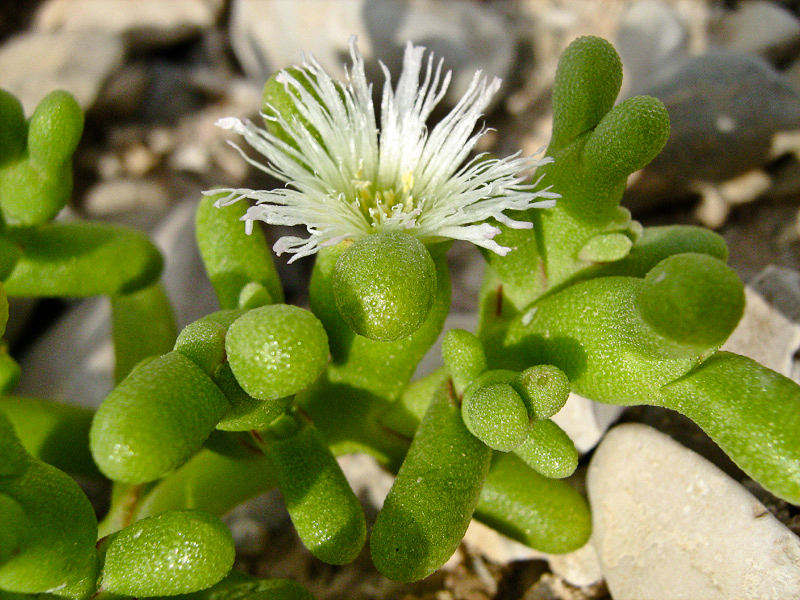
point(669, 525)
point(34, 64)
point(781, 288)
point(725, 109)
point(652, 37)
point(268, 35)
point(251, 522)
point(143, 24)
point(792, 74)
point(123, 93)
point(759, 27)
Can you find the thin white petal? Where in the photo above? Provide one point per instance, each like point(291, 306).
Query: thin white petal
point(347, 179)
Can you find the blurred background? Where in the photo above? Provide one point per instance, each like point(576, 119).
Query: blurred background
point(154, 75)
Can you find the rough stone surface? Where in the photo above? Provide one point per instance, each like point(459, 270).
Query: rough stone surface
point(668, 524)
point(76, 61)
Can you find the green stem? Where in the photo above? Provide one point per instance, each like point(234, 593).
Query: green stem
point(124, 497)
point(365, 377)
point(751, 412)
point(142, 325)
point(209, 481)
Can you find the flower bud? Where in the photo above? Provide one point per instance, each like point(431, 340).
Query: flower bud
point(384, 285)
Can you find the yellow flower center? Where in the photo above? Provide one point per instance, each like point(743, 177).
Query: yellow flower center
point(377, 204)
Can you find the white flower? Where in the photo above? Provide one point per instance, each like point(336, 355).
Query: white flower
point(346, 179)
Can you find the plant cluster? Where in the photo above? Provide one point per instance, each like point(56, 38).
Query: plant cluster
point(261, 394)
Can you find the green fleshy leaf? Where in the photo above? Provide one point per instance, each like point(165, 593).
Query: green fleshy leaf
point(606, 247)
point(12, 525)
point(9, 255)
point(693, 299)
point(36, 177)
point(544, 389)
point(155, 420)
point(13, 129)
point(588, 79)
point(546, 514)
point(464, 357)
point(147, 310)
point(176, 552)
point(405, 415)
point(276, 350)
point(82, 259)
point(246, 412)
point(658, 243)
point(324, 509)
point(54, 432)
point(204, 343)
point(10, 371)
point(548, 450)
point(628, 137)
point(232, 258)
point(432, 500)
point(752, 413)
point(494, 412)
point(55, 547)
point(365, 377)
point(55, 129)
point(593, 332)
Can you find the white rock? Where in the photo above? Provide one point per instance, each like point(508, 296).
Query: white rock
point(268, 35)
point(580, 568)
point(370, 482)
point(34, 64)
point(585, 421)
point(144, 23)
point(501, 550)
point(668, 524)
